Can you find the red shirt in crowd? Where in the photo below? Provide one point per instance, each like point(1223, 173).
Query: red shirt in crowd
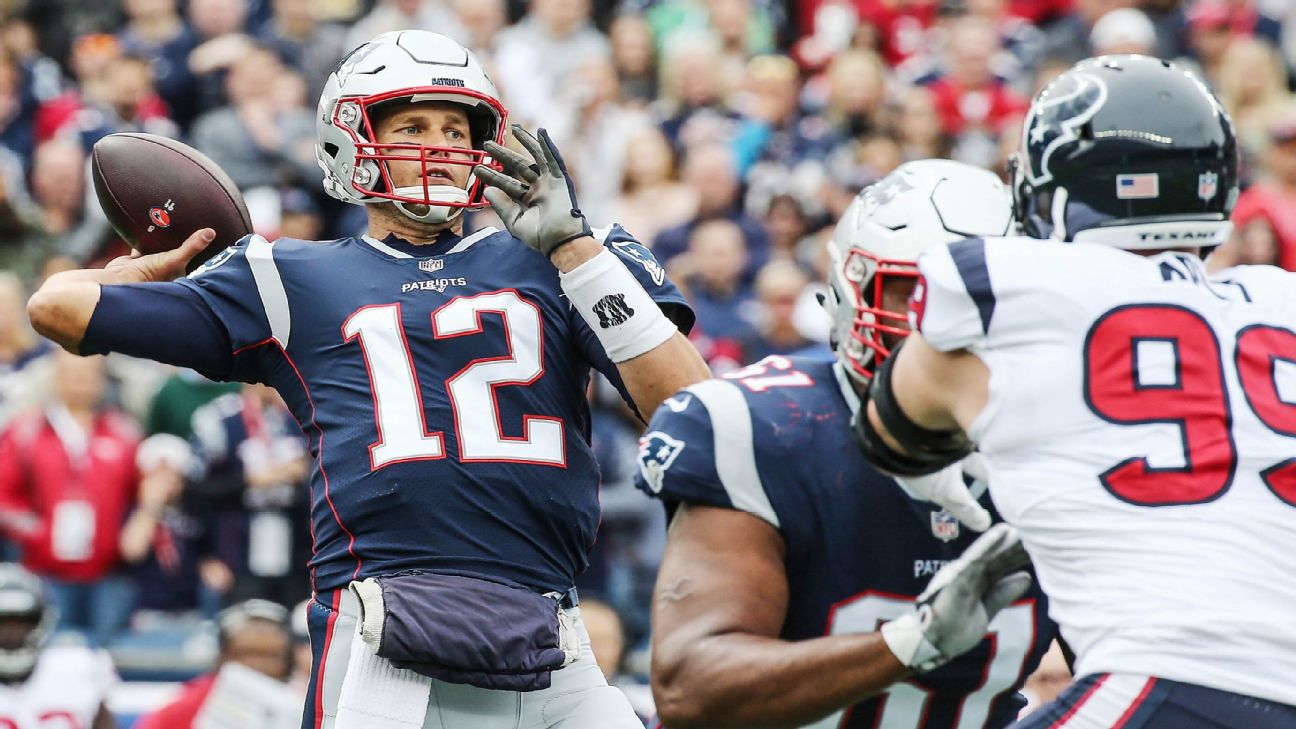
point(1268, 201)
point(65, 495)
point(988, 108)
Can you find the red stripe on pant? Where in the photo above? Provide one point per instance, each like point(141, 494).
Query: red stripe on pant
point(1067, 716)
point(319, 677)
point(1138, 701)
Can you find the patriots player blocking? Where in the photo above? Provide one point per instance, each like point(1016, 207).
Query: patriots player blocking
point(43, 686)
point(787, 551)
point(440, 379)
point(1136, 414)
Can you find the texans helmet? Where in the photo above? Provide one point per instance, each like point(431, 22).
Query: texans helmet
point(1127, 151)
point(921, 205)
point(26, 619)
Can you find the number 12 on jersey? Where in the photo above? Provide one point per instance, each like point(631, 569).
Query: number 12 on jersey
point(403, 433)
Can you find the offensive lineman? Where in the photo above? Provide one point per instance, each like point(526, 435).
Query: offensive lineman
point(441, 382)
point(787, 551)
point(1136, 413)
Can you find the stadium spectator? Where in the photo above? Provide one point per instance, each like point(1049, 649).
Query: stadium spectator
point(710, 174)
point(258, 137)
point(537, 56)
point(122, 99)
point(1124, 30)
point(24, 357)
point(160, 541)
point(692, 107)
point(388, 15)
point(303, 43)
point(1068, 38)
point(254, 634)
point(974, 104)
point(711, 275)
point(482, 21)
point(58, 187)
point(155, 30)
point(634, 55)
point(67, 481)
point(1253, 88)
point(779, 286)
point(1271, 203)
point(652, 197)
point(220, 40)
point(250, 486)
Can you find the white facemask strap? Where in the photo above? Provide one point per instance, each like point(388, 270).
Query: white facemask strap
point(435, 214)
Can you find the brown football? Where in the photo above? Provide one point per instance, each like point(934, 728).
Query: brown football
point(156, 192)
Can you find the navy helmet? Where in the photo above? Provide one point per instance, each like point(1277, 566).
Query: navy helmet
point(1129, 151)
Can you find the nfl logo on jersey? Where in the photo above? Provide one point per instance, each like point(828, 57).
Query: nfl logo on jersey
point(944, 526)
point(431, 265)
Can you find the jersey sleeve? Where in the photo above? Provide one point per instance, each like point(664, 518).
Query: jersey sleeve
point(230, 284)
point(650, 274)
point(699, 449)
point(954, 303)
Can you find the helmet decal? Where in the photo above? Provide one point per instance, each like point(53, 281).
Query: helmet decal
point(1066, 115)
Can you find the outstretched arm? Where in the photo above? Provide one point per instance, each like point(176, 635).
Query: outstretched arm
point(939, 391)
point(62, 307)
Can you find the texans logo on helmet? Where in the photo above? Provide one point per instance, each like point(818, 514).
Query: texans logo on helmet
point(657, 451)
point(1067, 106)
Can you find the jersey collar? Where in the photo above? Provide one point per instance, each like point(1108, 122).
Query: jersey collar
point(446, 243)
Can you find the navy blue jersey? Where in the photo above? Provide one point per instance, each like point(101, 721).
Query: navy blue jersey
point(774, 440)
point(442, 389)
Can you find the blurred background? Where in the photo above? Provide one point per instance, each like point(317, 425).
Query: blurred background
point(727, 135)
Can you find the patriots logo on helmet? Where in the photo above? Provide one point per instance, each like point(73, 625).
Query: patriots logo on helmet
point(1057, 117)
point(657, 451)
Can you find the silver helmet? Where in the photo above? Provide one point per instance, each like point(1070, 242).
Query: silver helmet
point(409, 65)
point(921, 205)
point(23, 599)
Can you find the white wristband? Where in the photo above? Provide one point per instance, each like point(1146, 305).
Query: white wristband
point(621, 314)
point(904, 636)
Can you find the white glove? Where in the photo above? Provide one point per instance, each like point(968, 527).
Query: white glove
point(954, 612)
point(946, 489)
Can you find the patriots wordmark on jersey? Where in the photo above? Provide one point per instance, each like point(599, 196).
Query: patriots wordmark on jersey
point(774, 440)
point(442, 389)
point(1140, 428)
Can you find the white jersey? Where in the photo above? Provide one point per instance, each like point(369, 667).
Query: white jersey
point(64, 692)
point(1140, 432)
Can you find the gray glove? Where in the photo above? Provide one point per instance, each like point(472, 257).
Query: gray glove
point(954, 612)
point(535, 200)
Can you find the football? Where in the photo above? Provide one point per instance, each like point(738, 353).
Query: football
point(156, 192)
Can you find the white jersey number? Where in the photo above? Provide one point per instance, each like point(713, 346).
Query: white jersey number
point(904, 703)
point(398, 404)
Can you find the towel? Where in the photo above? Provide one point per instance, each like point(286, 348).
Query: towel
point(377, 695)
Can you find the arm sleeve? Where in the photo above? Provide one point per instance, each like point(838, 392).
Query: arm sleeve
point(203, 322)
point(650, 274)
point(699, 449)
point(135, 319)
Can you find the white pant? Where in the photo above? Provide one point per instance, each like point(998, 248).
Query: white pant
point(578, 696)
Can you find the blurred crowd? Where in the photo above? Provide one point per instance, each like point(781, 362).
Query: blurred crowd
point(727, 135)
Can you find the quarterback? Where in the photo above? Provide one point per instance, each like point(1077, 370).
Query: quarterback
point(441, 381)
